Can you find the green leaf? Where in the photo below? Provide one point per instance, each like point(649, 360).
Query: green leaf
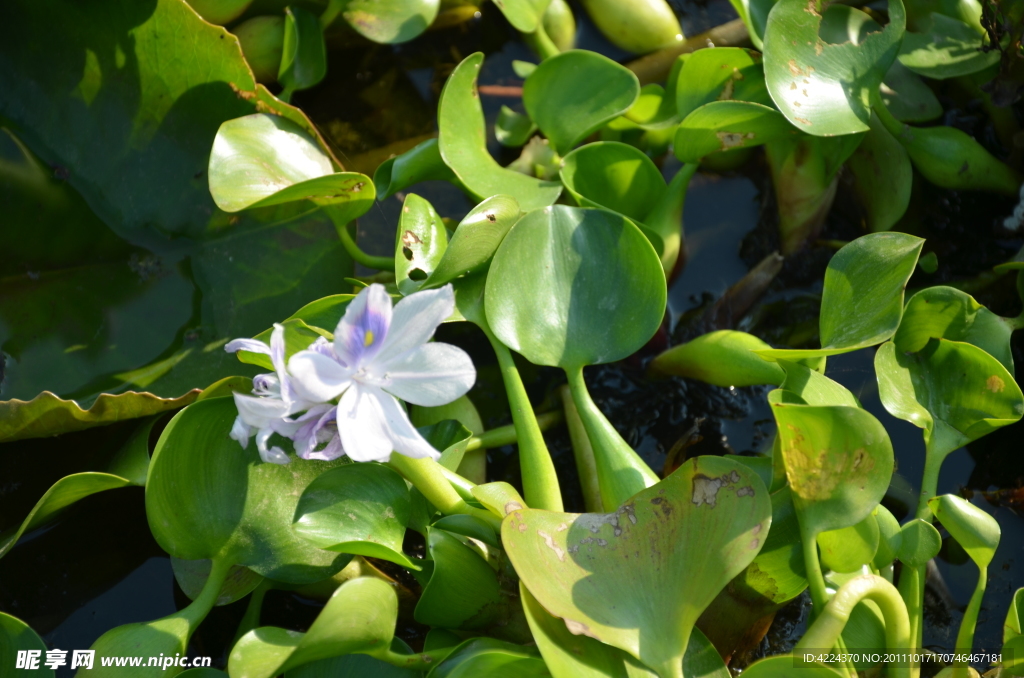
point(563, 285)
point(1014, 624)
point(48, 415)
point(949, 158)
point(574, 93)
point(638, 26)
point(468, 526)
point(513, 129)
point(720, 74)
point(781, 666)
point(890, 538)
point(475, 240)
point(849, 548)
point(191, 575)
point(304, 56)
point(825, 87)
point(261, 160)
point(813, 388)
point(614, 576)
point(491, 658)
point(919, 543)
point(974, 529)
point(421, 163)
point(202, 673)
point(524, 15)
point(463, 144)
point(882, 177)
point(862, 301)
point(357, 508)
point(390, 21)
point(907, 97)
point(420, 242)
point(206, 498)
point(653, 109)
point(463, 591)
point(947, 48)
point(358, 666)
point(727, 126)
point(839, 462)
point(722, 358)
point(359, 618)
point(955, 391)
point(16, 636)
point(615, 176)
point(948, 313)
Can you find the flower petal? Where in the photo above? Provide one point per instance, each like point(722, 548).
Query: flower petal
point(362, 426)
point(240, 432)
point(251, 345)
point(430, 375)
point(259, 412)
point(364, 327)
point(415, 319)
point(317, 378)
point(404, 436)
point(273, 455)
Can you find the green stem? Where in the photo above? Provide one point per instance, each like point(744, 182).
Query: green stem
point(506, 435)
point(965, 637)
point(460, 484)
point(285, 95)
point(541, 43)
point(368, 260)
point(331, 13)
point(251, 618)
point(815, 579)
point(929, 484)
point(586, 466)
point(891, 124)
point(197, 610)
point(828, 627)
point(621, 472)
point(429, 478)
point(540, 482)
point(911, 588)
point(415, 662)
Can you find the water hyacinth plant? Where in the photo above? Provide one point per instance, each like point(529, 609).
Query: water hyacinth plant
point(423, 377)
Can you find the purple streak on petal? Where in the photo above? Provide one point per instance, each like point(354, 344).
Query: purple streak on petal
point(332, 451)
point(266, 385)
point(251, 345)
point(323, 347)
point(310, 434)
point(363, 329)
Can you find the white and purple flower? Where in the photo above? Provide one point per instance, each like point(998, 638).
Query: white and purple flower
point(379, 355)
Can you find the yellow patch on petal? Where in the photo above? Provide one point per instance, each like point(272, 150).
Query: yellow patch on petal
point(368, 339)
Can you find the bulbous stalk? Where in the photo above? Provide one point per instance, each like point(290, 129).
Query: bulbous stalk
point(429, 478)
point(965, 637)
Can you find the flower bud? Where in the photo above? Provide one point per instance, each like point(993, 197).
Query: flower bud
point(951, 159)
point(220, 12)
point(262, 40)
point(638, 26)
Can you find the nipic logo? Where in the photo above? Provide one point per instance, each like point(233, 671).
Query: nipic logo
point(31, 659)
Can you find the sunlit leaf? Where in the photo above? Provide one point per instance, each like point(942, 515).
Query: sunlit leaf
point(390, 21)
point(17, 636)
point(727, 126)
point(420, 242)
point(974, 529)
point(946, 48)
point(722, 358)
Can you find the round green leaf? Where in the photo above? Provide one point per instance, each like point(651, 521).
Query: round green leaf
point(849, 548)
point(919, 543)
point(463, 144)
point(976, 531)
point(206, 497)
point(947, 48)
point(825, 88)
point(420, 242)
point(513, 129)
point(359, 618)
point(191, 575)
point(727, 126)
point(304, 56)
point(564, 284)
point(720, 74)
point(573, 94)
point(524, 15)
point(614, 176)
point(491, 658)
point(882, 177)
point(614, 576)
point(955, 391)
point(890, 538)
point(17, 636)
point(357, 508)
point(476, 239)
point(260, 160)
point(839, 462)
point(638, 26)
point(948, 313)
point(421, 163)
point(390, 21)
point(722, 358)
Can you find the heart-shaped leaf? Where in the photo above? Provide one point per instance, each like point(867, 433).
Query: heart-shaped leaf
point(260, 160)
point(614, 576)
point(955, 391)
point(615, 176)
point(862, 300)
point(462, 141)
point(476, 239)
point(722, 358)
point(304, 55)
point(563, 285)
point(946, 48)
point(390, 21)
point(208, 498)
point(720, 74)
point(976, 531)
point(727, 126)
point(825, 88)
point(849, 548)
point(919, 543)
point(839, 462)
point(513, 129)
point(16, 637)
point(942, 312)
point(576, 92)
point(491, 658)
point(359, 618)
point(357, 508)
point(420, 242)
point(421, 163)
point(882, 176)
